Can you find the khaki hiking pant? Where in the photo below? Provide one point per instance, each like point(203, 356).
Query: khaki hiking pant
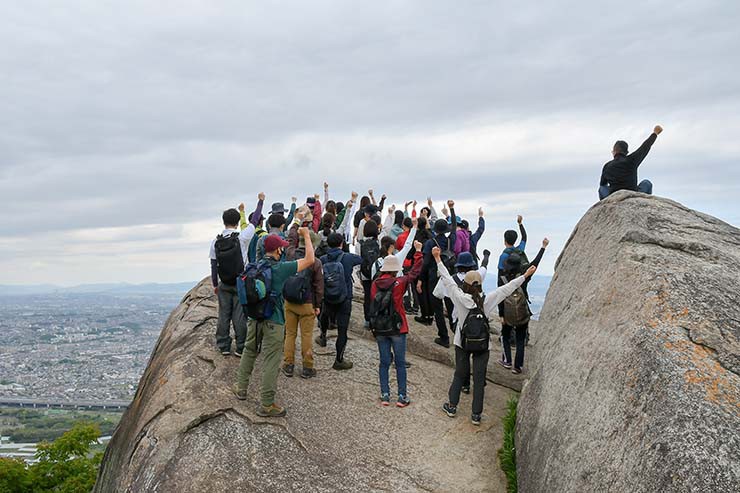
point(304, 317)
point(272, 348)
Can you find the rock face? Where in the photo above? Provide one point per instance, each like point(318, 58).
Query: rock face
point(186, 432)
point(637, 385)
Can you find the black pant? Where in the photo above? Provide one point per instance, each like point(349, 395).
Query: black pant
point(342, 312)
point(439, 314)
point(449, 305)
point(520, 333)
point(462, 372)
point(366, 287)
point(425, 303)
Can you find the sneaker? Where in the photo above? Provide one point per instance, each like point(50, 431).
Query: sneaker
point(321, 340)
point(516, 371)
point(238, 352)
point(505, 364)
point(240, 394)
point(442, 342)
point(423, 320)
point(271, 411)
point(288, 370)
point(403, 400)
point(225, 352)
point(308, 373)
point(466, 389)
point(408, 365)
point(385, 400)
point(342, 365)
point(450, 410)
point(475, 419)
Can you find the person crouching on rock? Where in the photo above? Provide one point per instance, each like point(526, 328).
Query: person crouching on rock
point(388, 322)
point(472, 338)
point(269, 333)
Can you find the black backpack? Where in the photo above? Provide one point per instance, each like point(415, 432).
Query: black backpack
point(297, 288)
point(517, 261)
point(229, 258)
point(516, 308)
point(475, 331)
point(384, 318)
point(335, 281)
point(448, 257)
point(370, 252)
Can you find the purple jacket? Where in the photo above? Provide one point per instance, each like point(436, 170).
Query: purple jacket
point(462, 244)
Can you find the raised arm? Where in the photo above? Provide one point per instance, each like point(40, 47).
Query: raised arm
point(453, 233)
point(641, 152)
point(453, 290)
point(291, 214)
point(258, 210)
point(388, 223)
point(475, 237)
point(326, 192)
point(307, 261)
point(292, 242)
point(538, 258)
point(382, 202)
point(316, 215)
point(242, 218)
point(501, 293)
point(523, 233)
point(401, 255)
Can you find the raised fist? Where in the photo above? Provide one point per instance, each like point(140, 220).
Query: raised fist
point(480, 211)
point(429, 202)
point(519, 219)
point(303, 231)
point(532, 269)
point(450, 204)
point(316, 196)
point(418, 246)
point(545, 242)
point(486, 253)
point(657, 130)
point(370, 192)
point(354, 196)
point(436, 253)
point(383, 197)
point(414, 204)
point(414, 221)
point(294, 199)
point(261, 196)
point(241, 207)
point(326, 186)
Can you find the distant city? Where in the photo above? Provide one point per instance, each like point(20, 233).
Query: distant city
point(92, 343)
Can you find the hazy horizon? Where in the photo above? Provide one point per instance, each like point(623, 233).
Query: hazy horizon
point(128, 131)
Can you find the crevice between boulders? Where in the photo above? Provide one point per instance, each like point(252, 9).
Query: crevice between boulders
point(145, 429)
point(709, 349)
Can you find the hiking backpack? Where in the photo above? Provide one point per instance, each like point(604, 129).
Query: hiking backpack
point(335, 283)
point(523, 260)
point(370, 252)
point(255, 290)
point(384, 318)
point(252, 251)
point(322, 249)
point(229, 258)
point(516, 308)
point(297, 288)
point(447, 257)
point(475, 331)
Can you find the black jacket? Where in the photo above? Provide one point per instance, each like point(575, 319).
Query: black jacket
point(621, 172)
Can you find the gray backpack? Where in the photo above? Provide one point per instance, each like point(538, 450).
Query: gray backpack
point(516, 308)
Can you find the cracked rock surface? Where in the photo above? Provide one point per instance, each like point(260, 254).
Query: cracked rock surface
point(186, 432)
point(636, 386)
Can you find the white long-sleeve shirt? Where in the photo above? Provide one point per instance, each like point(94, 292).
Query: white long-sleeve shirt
point(400, 255)
point(463, 302)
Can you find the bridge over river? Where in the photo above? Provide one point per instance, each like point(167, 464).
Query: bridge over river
point(61, 404)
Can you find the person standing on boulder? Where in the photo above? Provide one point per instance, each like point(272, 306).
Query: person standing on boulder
point(468, 300)
point(228, 254)
point(516, 316)
point(389, 324)
point(621, 172)
point(272, 330)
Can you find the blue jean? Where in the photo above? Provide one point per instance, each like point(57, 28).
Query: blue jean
point(398, 343)
point(645, 186)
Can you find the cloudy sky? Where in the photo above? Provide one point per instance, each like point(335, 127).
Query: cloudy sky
point(127, 127)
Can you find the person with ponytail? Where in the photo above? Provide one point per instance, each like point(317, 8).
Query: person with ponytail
point(466, 297)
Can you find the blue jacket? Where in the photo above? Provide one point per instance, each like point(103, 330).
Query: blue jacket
point(349, 261)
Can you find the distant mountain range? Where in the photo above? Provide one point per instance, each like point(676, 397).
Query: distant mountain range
point(108, 288)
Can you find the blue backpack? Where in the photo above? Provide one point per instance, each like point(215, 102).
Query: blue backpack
point(335, 283)
point(254, 288)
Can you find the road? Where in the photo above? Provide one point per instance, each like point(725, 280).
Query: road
point(60, 404)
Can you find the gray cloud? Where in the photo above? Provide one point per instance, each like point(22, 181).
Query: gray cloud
point(156, 114)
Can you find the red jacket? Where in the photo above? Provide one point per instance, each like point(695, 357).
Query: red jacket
point(385, 281)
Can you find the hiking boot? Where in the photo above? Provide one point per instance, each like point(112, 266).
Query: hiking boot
point(505, 364)
point(449, 409)
point(308, 373)
point(385, 400)
point(238, 352)
point(271, 411)
point(240, 394)
point(320, 340)
point(475, 419)
point(342, 365)
point(466, 389)
point(288, 370)
point(442, 342)
point(403, 400)
point(516, 371)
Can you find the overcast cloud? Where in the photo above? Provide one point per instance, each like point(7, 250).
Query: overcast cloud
point(129, 126)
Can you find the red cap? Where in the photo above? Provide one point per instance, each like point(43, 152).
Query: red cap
point(273, 242)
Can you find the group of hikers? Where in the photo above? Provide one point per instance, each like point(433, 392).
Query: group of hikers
point(275, 276)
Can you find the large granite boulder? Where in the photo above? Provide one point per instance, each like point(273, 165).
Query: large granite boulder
point(636, 386)
point(186, 432)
